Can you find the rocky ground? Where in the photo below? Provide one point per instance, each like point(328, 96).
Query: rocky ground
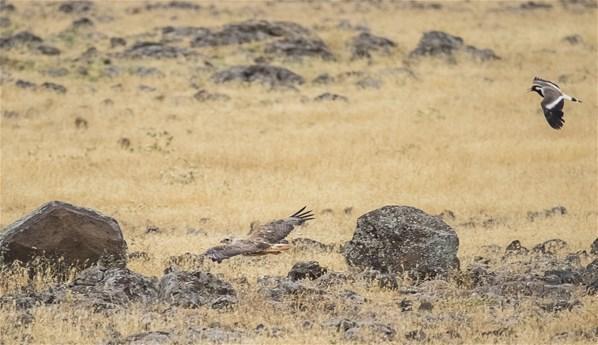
point(186, 120)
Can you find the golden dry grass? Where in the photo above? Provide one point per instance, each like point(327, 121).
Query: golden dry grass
point(465, 137)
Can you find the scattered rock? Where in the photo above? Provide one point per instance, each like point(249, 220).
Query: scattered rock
point(155, 50)
point(124, 143)
point(363, 44)
point(76, 7)
point(81, 123)
point(278, 289)
point(516, 248)
point(117, 42)
point(19, 39)
point(394, 239)
point(323, 79)
point(306, 270)
point(301, 243)
point(369, 83)
point(80, 236)
point(205, 96)
point(327, 96)
point(548, 213)
point(560, 306)
point(574, 39)
point(265, 74)
point(195, 289)
point(416, 335)
point(250, 31)
point(425, 306)
point(552, 247)
point(168, 5)
point(594, 247)
point(4, 22)
point(141, 71)
point(406, 305)
point(48, 50)
point(24, 84)
point(108, 288)
point(139, 255)
point(57, 88)
point(57, 72)
point(187, 260)
point(146, 338)
point(534, 5)
point(439, 43)
point(299, 47)
point(82, 23)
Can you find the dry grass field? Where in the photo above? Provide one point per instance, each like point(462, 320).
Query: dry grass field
point(463, 136)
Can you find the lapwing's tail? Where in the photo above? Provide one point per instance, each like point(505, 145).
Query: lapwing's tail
point(572, 99)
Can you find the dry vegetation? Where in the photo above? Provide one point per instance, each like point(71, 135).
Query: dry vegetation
point(465, 137)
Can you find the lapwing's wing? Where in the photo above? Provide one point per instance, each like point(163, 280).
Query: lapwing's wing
point(552, 106)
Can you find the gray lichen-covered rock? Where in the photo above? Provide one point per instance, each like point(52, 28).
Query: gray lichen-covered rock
point(363, 44)
point(439, 43)
point(249, 31)
point(80, 236)
point(195, 289)
point(396, 239)
point(265, 74)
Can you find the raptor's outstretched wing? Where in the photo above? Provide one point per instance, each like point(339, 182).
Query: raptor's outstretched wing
point(235, 248)
point(277, 230)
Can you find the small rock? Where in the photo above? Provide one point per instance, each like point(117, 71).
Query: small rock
point(552, 247)
point(298, 47)
point(425, 306)
point(594, 247)
point(406, 305)
point(57, 72)
point(574, 39)
point(81, 123)
point(369, 83)
point(195, 289)
point(265, 74)
point(560, 306)
point(48, 50)
point(156, 50)
point(83, 23)
point(534, 5)
point(117, 42)
point(327, 96)
point(205, 96)
point(147, 338)
point(76, 6)
point(363, 44)
point(301, 243)
point(416, 335)
point(516, 248)
point(57, 88)
point(306, 270)
point(4, 22)
point(24, 84)
point(323, 79)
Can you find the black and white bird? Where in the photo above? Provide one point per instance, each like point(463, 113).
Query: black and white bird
point(553, 102)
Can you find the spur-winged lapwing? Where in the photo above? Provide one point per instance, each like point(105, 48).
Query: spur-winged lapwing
point(553, 101)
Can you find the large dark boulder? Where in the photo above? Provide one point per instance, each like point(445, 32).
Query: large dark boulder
point(396, 239)
point(195, 289)
point(80, 236)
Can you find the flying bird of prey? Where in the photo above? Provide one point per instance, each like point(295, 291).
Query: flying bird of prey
point(262, 240)
point(553, 102)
